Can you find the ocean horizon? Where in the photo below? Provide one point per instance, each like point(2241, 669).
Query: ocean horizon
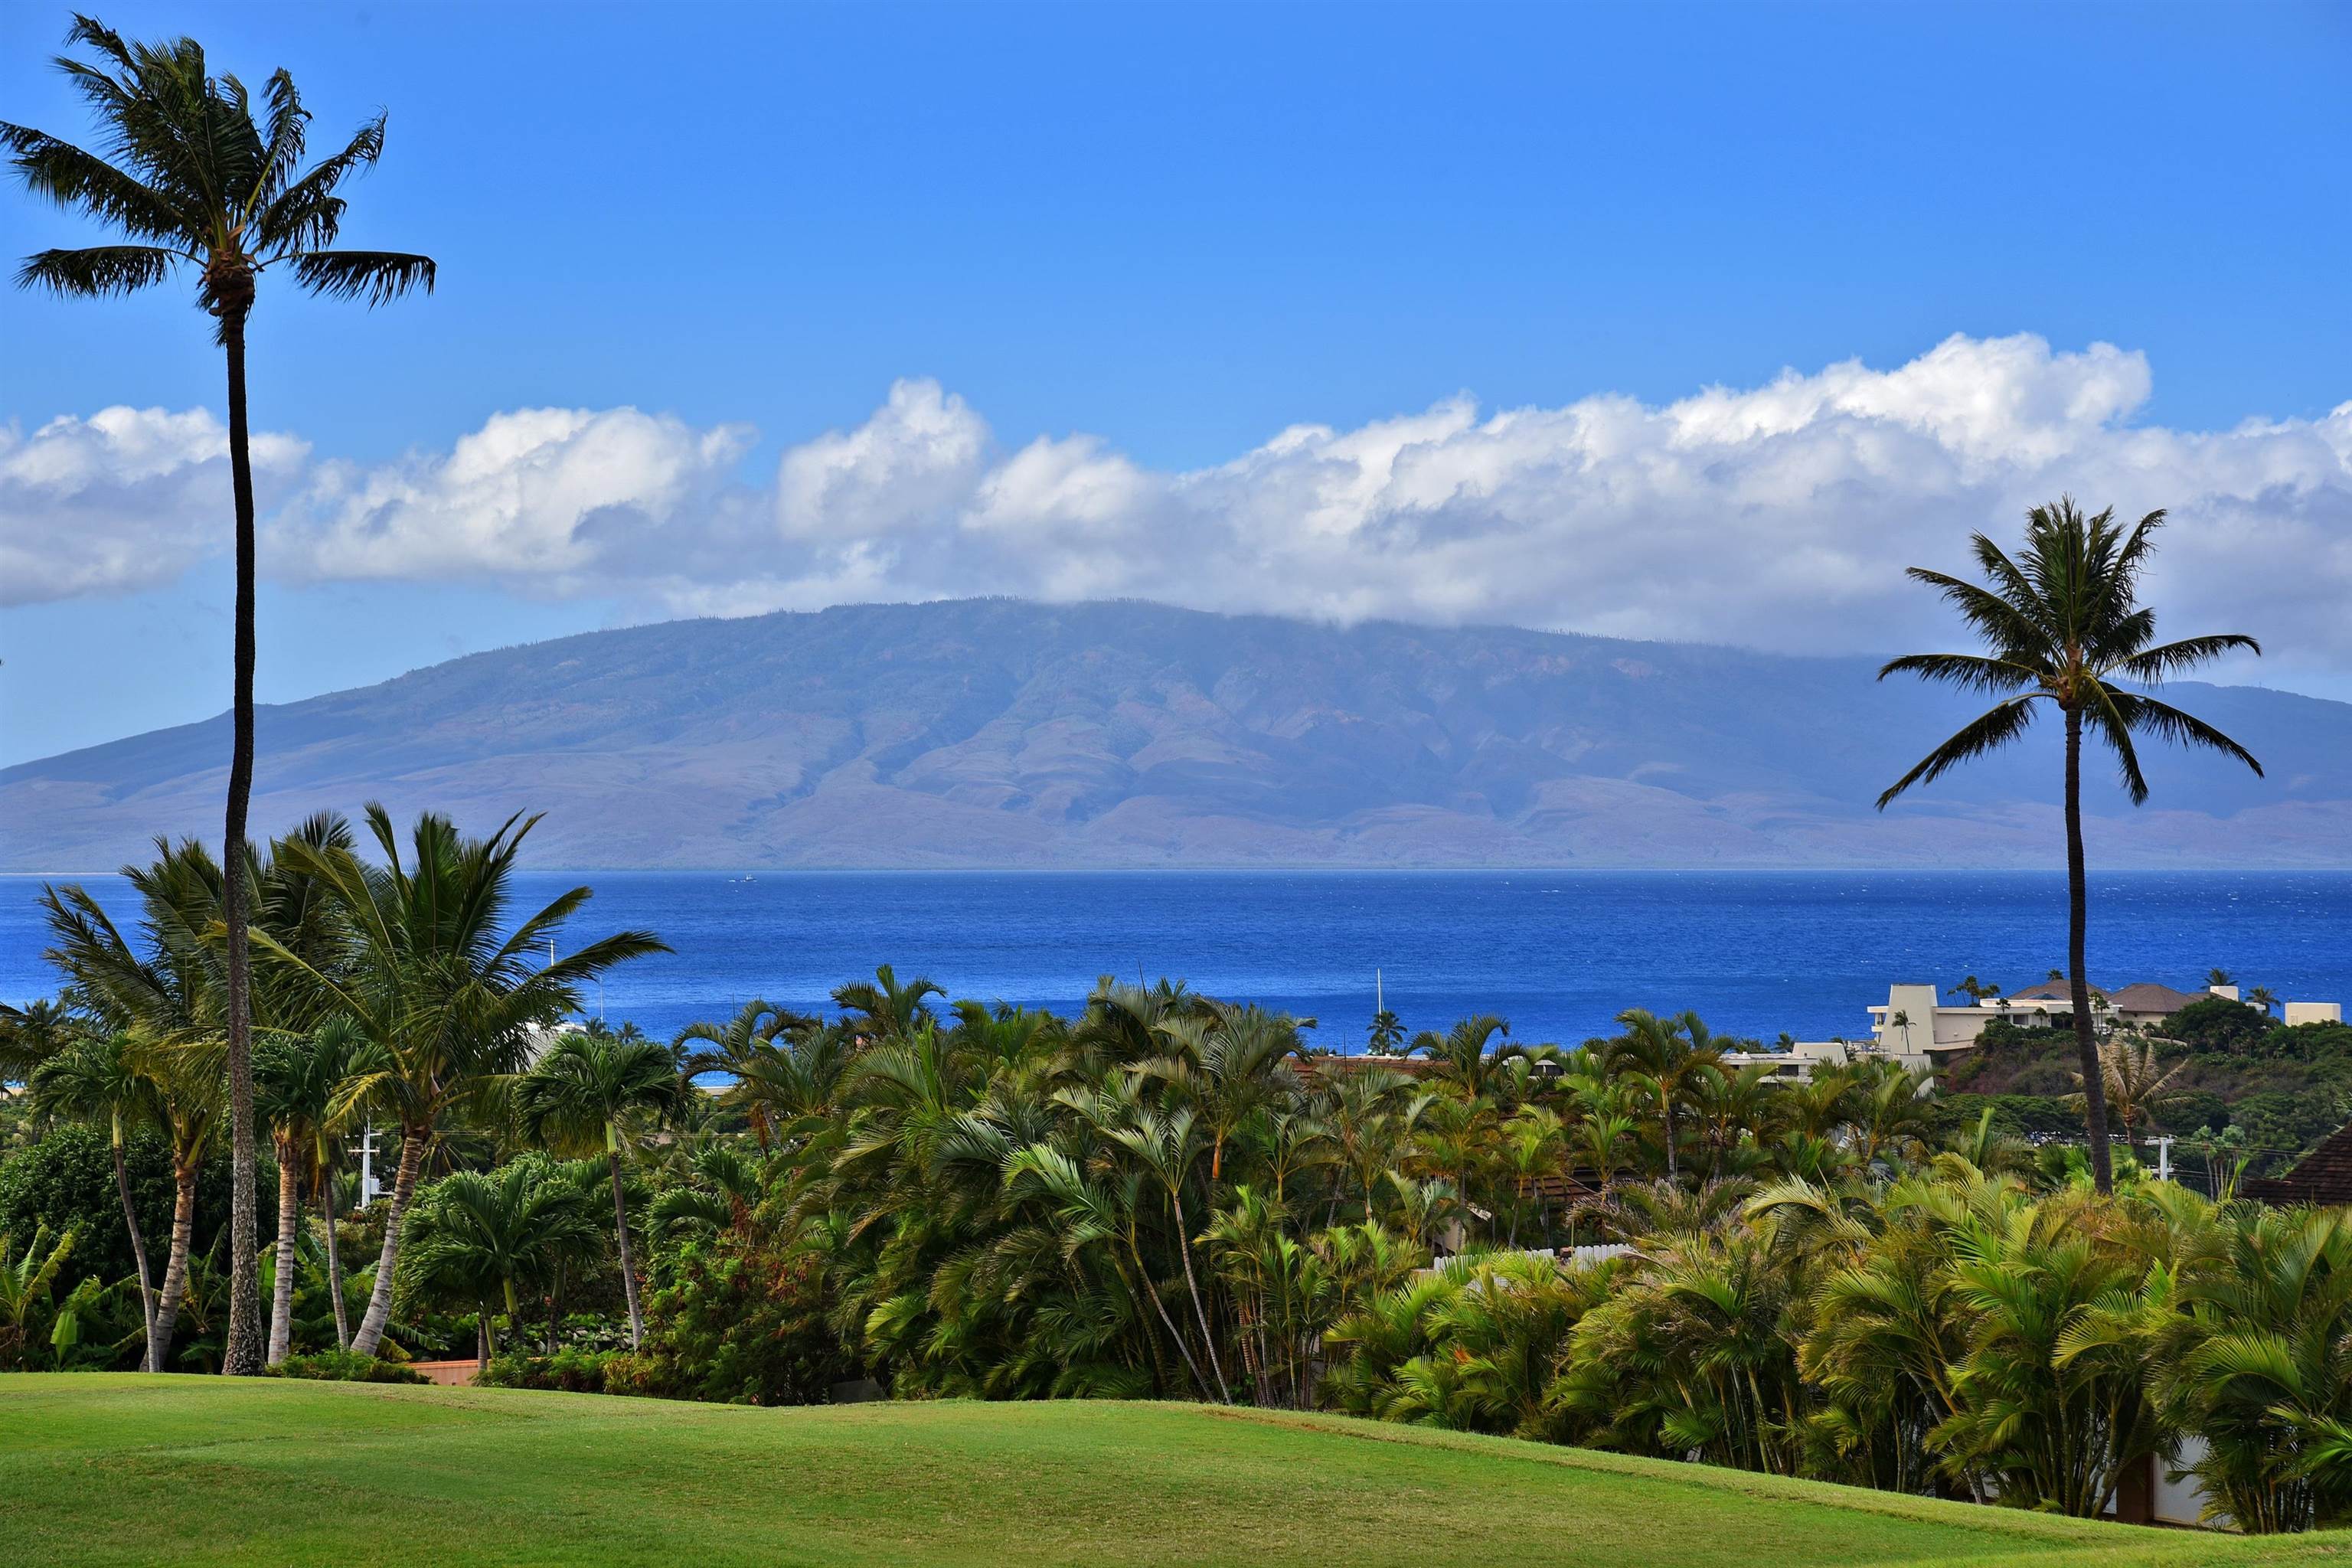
point(1556, 953)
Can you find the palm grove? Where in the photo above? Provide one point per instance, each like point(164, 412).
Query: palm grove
point(1167, 1195)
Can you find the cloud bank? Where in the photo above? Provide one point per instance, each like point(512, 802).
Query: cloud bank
point(1778, 516)
point(127, 499)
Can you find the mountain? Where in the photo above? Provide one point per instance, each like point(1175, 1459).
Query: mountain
point(996, 733)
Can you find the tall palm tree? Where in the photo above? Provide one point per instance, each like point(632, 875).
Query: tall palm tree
point(579, 1095)
point(187, 176)
point(97, 1079)
point(442, 990)
point(2064, 624)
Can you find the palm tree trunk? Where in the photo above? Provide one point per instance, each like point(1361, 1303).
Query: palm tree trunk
point(242, 1356)
point(1208, 1337)
point(404, 1186)
point(138, 1246)
point(621, 1234)
point(176, 1267)
point(1161, 1307)
point(334, 1257)
point(2086, 1044)
point(281, 1287)
point(1666, 1100)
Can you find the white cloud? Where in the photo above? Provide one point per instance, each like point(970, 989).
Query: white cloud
point(127, 499)
point(563, 498)
point(1776, 516)
point(906, 466)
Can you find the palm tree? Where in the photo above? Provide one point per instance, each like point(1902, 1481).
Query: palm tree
point(888, 1008)
point(1658, 1054)
point(30, 1035)
point(297, 1079)
point(742, 1049)
point(2064, 626)
point(1228, 1066)
point(578, 1096)
point(167, 1000)
point(476, 1239)
point(2262, 996)
point(188, 177)
point(2220, 977)
point(443, 998)
point(2137, 1085)
point(1167, 1148)
point(1460, 1054)
point(96, 1080)
point(1386, 1034)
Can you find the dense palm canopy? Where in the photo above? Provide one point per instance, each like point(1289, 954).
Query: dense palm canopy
point(2062, 624)
point(444, 989)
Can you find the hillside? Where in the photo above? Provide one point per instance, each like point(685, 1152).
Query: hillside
point(994, 733)
point(200, 1470)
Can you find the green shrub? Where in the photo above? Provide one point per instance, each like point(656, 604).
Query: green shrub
point(344, 1366)
point(568, 1371)
point(66, 1181)
point(741, 1322)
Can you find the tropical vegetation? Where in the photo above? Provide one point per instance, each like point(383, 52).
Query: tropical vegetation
point(1633, 1245)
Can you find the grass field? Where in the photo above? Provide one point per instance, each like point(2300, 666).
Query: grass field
point(120, 1469)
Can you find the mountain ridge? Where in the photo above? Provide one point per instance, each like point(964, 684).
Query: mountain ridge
point(1004, 733)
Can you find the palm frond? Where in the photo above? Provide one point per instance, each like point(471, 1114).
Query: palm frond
point(1991, 731)
point(2157, 663)
point(86, 183)
point(1970, 671)
point(2186, 729)
point(2100, 707)
point(308, 213)
point(379, 276)
point(99, 269)
point(2006, 621)
point(288, 134)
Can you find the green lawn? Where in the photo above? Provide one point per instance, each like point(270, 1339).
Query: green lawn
point(117, 1469)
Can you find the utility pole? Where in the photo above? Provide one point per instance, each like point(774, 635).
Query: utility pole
point(2164, 1158)
point(366, 1152)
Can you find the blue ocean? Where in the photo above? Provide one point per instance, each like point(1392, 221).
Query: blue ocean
point(1557, 953)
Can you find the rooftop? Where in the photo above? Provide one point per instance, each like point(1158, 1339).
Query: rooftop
point(2323, 1179)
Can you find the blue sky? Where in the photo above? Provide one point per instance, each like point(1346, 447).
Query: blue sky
point(1176, 231)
